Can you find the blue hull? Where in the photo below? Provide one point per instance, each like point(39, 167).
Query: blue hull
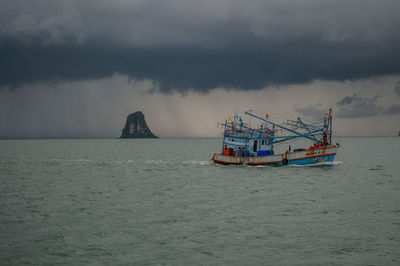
point(308, 161)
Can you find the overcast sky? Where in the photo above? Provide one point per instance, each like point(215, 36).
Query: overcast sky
point(77, 68)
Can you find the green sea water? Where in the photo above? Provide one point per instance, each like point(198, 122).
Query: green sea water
point(162, 202)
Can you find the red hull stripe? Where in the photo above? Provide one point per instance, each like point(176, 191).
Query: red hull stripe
point(309, 157)
point(223, 162)
point(321, 148)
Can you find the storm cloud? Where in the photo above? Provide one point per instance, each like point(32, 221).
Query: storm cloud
point(198, 45)
point(352, 107)
point(397, 88)
point(357, 106)
point(314, 112)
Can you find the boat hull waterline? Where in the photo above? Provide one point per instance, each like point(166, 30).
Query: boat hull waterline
point(307, 157)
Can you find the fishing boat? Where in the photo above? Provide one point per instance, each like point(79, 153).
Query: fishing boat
point(244, 145)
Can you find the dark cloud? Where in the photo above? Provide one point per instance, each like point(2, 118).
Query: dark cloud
point(397, 88)
point(314, 112)
point(393, 110)
point(356, 106)
point(188, 45)
point(347, 100)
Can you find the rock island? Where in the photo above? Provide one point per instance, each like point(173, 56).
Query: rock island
point(136, 127)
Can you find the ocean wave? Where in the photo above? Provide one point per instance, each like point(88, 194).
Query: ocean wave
point(194, 162)
point(157, 162)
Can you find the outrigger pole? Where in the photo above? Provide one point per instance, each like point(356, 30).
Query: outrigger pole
point(310, 134)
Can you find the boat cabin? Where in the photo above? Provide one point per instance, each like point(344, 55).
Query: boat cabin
point(240, 140)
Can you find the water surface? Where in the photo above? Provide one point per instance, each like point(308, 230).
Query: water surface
point(162, 201)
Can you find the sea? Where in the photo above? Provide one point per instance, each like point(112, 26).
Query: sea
point(163, 202)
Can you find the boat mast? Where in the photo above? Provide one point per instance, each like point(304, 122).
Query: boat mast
point(327, 128)
point(223, 142)
point(330, 129)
